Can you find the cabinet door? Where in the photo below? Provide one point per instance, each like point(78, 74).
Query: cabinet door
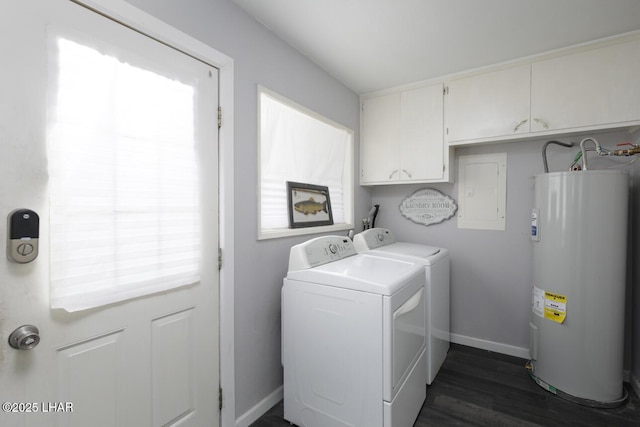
point(379, 159)
point(493, 104)
point(593, 88)
point(421, 134)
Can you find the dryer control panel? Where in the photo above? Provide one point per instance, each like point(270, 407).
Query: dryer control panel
point(373, 238)
point(320, 250)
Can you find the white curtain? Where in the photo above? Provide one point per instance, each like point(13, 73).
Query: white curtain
point(297, 147)
point(124, 192)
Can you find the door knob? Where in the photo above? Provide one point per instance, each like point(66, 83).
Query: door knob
point(24, 338)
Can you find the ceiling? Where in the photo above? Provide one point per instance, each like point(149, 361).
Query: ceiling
point(377, 44)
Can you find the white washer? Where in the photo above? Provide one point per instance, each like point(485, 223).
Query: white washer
point(381, 242)
point(353, 337)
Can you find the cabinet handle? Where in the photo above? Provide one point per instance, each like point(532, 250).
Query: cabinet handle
point(519, 125)
point(393, 173)
point(542, 122)
point(407, 173)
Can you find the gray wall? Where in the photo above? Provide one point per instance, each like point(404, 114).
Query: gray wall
point(491, 271)
point(259, 58)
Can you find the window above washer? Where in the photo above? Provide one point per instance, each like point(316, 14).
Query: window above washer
point(298, 145)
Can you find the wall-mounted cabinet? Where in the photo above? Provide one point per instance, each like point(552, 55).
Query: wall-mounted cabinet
point(492, 104)
point(595, 88)
point(408, 134)
point(402, 137)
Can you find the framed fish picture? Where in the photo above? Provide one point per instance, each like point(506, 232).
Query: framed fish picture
point(309, 205)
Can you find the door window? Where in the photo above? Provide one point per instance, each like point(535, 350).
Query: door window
point(123, 176)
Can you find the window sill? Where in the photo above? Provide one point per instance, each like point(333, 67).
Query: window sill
point(290, 232)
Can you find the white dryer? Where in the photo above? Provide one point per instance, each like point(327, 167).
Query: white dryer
point(353, 337)
point(381, 242)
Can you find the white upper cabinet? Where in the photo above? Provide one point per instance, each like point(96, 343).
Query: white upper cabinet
point(379, 155)
point(595, 88)
point(402, 137)
point(421, 134)
point(491, 104)
point(408, 135)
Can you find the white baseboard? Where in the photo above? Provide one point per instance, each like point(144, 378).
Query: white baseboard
point(635, 384)
point(260, 408)
point(507, 349)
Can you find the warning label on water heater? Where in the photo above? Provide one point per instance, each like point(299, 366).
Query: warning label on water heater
point(549, 305)
point(555, 307)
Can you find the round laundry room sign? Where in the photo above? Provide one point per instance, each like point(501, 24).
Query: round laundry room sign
point(428, 206)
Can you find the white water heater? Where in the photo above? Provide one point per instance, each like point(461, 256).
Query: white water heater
point(579, 233)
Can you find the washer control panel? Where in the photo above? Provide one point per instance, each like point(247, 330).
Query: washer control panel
point(320, 250)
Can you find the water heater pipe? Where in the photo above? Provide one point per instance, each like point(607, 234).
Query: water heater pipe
point(635, 149)
point(544, 152)
point(599, 150)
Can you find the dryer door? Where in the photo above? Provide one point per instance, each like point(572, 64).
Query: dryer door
point(408, 338)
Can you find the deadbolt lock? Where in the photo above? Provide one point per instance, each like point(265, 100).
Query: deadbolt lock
point(24, 338)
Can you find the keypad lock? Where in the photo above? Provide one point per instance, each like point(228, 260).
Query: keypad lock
point(22, 236)
point(25, 337)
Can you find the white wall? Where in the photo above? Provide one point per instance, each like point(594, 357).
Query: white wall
point(491, 271)
point(259, 58)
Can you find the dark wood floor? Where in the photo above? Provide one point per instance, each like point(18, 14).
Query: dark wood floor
point(481, 388)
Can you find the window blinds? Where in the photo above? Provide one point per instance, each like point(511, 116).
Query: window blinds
point(297, 147)
point(124, 191)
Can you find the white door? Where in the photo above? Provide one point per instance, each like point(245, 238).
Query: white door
point(148, 361)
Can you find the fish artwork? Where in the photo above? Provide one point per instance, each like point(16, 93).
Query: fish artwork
point(310, 206)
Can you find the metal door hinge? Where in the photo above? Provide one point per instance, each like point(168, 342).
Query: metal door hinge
point(219, 117)
point(220, 399)
point(219, 258)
